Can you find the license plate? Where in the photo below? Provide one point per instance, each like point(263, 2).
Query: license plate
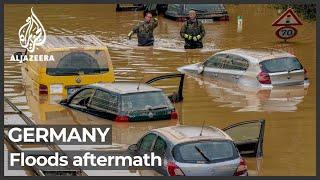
point(56, 89)
point(72, 90)
point(206, 20)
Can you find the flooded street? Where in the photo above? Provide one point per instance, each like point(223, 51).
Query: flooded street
point(290, 114)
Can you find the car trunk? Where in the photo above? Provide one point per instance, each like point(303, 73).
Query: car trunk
point(287, 78)
point(226, 168)
point(284, 71)
point(147, 115)
point(153, 105)
point(207, 158)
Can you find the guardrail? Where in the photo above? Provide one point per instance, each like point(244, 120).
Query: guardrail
point(39, 171)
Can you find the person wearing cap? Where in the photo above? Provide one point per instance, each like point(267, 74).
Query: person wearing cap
point(144, 30)
point(193, 32)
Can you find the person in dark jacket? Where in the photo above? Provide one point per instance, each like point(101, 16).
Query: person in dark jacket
point(192, 31)
point(144, 30)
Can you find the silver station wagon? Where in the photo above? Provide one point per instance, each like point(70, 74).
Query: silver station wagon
point(203, 151)
point(259, 68)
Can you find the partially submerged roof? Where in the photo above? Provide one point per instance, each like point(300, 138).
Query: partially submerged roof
point(183, 133)
point(55, 42)
point(258, 54)
point(126, 87)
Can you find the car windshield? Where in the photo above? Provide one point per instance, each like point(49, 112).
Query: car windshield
point(203, 7)
point(285, 64)
point(205, 151)
point(78, 62)
point(145, 101)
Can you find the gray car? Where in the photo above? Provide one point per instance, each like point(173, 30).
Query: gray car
point(258, 68)
point(203, 151)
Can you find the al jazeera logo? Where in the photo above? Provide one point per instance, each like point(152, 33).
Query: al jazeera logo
point(31, 35)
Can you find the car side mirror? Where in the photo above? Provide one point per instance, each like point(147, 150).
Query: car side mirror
point(17, 55)
point(200, 68)
point(133, 148)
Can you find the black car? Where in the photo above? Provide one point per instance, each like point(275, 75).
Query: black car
point(127, 101)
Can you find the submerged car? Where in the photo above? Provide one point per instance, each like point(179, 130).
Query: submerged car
point(205, 12)
point(127, 101)
point(242, 99)
point(259, 68)
point(203, 151)
point(78, 61)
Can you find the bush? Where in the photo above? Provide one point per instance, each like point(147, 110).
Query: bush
point(307, 11)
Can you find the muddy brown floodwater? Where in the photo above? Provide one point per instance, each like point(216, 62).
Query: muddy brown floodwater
point(290, 134)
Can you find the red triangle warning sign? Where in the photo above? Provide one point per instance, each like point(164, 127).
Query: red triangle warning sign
point(289, 17)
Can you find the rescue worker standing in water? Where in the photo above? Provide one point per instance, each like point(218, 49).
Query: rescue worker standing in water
point(144, 30)
point(192, 31)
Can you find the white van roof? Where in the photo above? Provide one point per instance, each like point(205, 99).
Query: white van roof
point(54, 42)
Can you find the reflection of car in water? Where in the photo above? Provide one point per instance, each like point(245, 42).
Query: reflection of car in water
point(123, 101)
point(203, 151)
point(253, 68)
point(282, 99)
point(205, 12)
point(47, 111)
point(78, 61)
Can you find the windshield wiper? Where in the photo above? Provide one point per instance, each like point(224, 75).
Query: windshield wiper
point(202, 154)
point(97, 70)
point(289, 70)
point(68, 73)
point(158, 107)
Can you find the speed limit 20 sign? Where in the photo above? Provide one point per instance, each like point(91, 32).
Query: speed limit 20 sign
point(286, 32)
point(287, 20)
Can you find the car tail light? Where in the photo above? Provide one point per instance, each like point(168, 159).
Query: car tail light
point(120, 118)
point(174, 115)
point(305, 74)
point(242, 168)
point(43, 89)
point(174, 170)
point(264, 78)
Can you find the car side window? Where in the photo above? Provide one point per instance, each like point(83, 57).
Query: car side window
point(236, 63)
point(105, 101)
point(147, 142)
point(216, 61)
point(82, 98)
point(160, 146)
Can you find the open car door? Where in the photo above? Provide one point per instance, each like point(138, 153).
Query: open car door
point(176, 96)
point(248, 137)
